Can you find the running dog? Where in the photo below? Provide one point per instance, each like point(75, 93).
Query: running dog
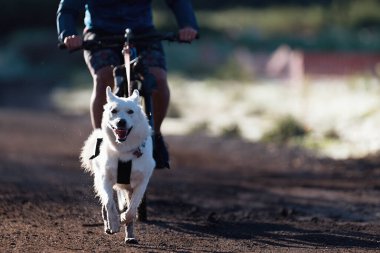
point(125, 137)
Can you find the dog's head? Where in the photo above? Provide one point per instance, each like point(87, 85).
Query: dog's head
point(123, 116)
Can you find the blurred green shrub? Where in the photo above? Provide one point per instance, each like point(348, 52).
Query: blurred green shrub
point(232, 131)
point(285, 130)
point(199, 128)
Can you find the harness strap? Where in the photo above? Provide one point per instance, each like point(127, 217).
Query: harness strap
point(97, 148)
point(124, 169)
point(124, 172)
point(99, 141)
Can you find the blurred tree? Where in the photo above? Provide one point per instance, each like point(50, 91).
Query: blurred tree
point(222, 4)
point(25, 14)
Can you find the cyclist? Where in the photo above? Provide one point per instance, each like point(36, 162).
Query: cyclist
point(110, 17)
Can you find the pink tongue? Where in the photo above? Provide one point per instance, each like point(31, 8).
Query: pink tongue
point(121, 133)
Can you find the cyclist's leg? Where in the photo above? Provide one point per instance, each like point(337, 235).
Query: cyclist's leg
point(101, 79)
point(100, 65)
point(155, 58)
point(161, 97)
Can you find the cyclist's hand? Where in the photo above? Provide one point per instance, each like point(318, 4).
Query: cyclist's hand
point(73, 42)
point(187, 34)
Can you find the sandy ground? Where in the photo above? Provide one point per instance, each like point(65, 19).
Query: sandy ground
point(222, 195)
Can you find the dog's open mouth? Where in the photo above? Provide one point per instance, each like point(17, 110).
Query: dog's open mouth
point(121, 133)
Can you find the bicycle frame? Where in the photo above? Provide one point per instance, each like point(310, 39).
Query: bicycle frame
point(131, 70)
point(146, 94)
point(148, 84)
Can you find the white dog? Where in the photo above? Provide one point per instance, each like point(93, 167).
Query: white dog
point(125, 136)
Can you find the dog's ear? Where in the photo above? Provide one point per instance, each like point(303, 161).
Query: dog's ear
point(110, 95)
point(135, 96)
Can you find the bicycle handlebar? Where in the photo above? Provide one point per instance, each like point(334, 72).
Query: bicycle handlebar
point(119, 40)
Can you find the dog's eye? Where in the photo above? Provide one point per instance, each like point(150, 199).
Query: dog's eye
point(130, 111)
point(114, 111)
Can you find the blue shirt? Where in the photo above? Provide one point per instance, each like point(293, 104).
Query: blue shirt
point(114, 16)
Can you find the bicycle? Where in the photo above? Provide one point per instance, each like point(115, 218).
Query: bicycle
point(133, 74)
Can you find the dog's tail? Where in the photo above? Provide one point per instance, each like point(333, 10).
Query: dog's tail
point(89, 149)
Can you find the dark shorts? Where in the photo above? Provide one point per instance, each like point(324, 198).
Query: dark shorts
point(153, 55)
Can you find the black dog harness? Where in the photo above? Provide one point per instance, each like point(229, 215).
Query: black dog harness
point(124, 172)
point(124, 169)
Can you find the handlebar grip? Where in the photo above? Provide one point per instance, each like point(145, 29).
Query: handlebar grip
point(61, 45)
point(185, 41)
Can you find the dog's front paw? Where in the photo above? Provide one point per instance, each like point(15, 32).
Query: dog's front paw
point(111, 229)
point(112, 222)
point(108, 231)
point(131, 241)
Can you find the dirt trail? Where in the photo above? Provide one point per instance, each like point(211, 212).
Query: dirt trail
point(223, 195)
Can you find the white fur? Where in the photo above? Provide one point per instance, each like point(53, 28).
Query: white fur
point(104, 166)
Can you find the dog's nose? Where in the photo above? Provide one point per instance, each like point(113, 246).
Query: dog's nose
point(122, 123)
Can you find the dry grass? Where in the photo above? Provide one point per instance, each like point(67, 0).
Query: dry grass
point(341, 116)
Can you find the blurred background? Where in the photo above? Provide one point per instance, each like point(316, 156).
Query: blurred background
point(298, 72)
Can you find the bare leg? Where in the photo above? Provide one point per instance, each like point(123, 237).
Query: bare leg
point(102, 78)
point(161, 97)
